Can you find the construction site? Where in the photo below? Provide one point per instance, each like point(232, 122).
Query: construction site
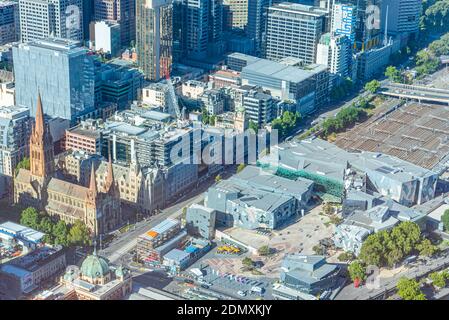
point(417, 133)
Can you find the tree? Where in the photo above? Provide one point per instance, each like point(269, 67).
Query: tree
point(205, 116)
point(79, 234)
point(426, 248)
point(409, 289)
point(247, 262)
point(445, 220)
point(30, 218)
point(371, 252)
point(439, 278)
point(23, 164)
point(46, 226)
point(357, 271)
point(393, 74)
point(60, 233)
point(218, 178)
point(345, 256)
point(240, 167)
point(372, 86)
point(264, 250)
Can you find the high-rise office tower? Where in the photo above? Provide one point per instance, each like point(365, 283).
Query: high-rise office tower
point(154, 37)
point(179, 30)
point(88, 17)
point(216, 45)
point(9, 22)
point(294, 30)
point(61, 71)
point(120, 11)
point(257, 18)
point(197, 28)
point(40, 19)
point(235, 15)
point(204, 28)
point(403, 16)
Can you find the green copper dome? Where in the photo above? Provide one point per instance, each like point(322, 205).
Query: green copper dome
point(94, 267)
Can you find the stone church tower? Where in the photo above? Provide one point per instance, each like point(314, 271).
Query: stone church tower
point(41, 147)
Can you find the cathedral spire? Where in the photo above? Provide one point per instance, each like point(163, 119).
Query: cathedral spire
point(41, 145)
point(39, 125)
point(93, 184)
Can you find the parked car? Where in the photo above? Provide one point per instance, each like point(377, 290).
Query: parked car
point(241, 293)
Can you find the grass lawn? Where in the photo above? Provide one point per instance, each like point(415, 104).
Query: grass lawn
point(9, 212)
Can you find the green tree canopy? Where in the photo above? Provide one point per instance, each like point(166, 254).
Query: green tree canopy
point(23, 164)
point(393, 74)
point(409, 289)
point(426, 248)
point(79, 234)
point(264, 250)
point(372, 86)
point(30, 218)
point(357, 271)
point(61, 233)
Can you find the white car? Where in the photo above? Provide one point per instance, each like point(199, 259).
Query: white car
point(241, 293)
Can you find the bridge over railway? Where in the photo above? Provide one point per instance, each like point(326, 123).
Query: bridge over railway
point(419, 93)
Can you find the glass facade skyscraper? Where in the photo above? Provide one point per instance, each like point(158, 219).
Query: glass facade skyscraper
point(154, 37)
point(63, 73)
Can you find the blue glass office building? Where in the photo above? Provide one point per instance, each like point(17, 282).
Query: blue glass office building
point(63, 73)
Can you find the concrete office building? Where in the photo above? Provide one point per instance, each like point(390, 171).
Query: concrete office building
point(121, 11)
point(154, 38)
point(106, 37)
point(294, 30)
point(61, 71)
point(308, 87)
point(403, 16)
point(84, 137)
point(260, 107)
point(9, 22)
point(117, 82)
point(40, 19)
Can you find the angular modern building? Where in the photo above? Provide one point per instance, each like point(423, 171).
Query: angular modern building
point(154, 37)
point(294, 30)
point(61, 71)
point(40, 19)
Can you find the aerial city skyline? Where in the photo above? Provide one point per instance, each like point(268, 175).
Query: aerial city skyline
point(224, 150)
